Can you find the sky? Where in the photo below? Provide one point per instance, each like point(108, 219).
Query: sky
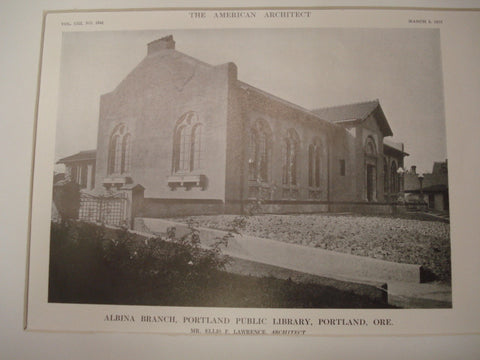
point(310, 67)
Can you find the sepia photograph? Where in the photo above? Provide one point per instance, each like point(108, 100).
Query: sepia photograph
point(299, 168)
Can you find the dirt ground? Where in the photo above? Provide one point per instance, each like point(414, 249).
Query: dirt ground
point(401, 240)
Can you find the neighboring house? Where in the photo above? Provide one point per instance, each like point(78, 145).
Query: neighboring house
point(198, 140)
point(58, 176)
point(433, 186)
point(80, 168)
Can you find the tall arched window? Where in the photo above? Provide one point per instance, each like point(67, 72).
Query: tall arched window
point(259, 149)
point(187, 144)
point(314, 159)
point(370, 147)
point(290, 158)
point(385, 176)
point(112, 149)
point(370, 169)
point(196, 147)
point(119, 150)
point(393, 177)
point(125, 157)
point(252, 155)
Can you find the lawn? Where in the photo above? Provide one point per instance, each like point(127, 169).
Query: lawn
point(402, 240)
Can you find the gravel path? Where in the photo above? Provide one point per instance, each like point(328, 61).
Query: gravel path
point(401, 240)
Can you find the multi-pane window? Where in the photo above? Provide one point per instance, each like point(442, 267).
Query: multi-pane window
point(259, 152)
point(370, 147)
point(290, 158)
point(188, 144)
point(252, 155)
point(83, 176)
point(119, 151)
point(393, 177)
point(125, 156)
point(196, 148)
point(182, 153)
point(111, 154)
point(263, 156)
point(385, 176)
point(314, 163)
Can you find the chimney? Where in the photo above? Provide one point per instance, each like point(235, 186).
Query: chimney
point(413, 169)
point(166, 42)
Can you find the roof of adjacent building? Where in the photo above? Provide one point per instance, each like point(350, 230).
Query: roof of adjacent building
point(434, 181)
point(80, 156)
point(440, 167)
point(391, 145)
point(352, 114)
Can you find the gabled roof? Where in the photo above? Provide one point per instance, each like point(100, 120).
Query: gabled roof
point(353, 114)
point(394, 146)
point(81, 156)
point(162, 64)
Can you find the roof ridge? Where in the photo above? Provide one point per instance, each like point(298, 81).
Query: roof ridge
point(348, 104)
point(242, 84)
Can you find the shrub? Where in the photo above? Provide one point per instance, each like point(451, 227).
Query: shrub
point(91, 263)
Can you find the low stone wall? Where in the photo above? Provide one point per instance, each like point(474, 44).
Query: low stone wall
point(310, 207)
point(293, 208)
point(296, 257)
point(152, 207)
point(363, 208)
point(161, 208)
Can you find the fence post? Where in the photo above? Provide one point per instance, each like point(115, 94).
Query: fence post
point(66, 196)
point(134, 194)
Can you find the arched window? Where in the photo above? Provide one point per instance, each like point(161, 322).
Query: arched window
point(111, 154)
point(393, 177)
point(259, 149)
point(263, 156)
point(385, 176)
point(290, 158)
point(187, 144)
point(125, 156)
point(314, 158)
point(119, 150)
point(184, 135)
point(252, 155)
point(196, 147)
point(370, 169)
point(370, 147)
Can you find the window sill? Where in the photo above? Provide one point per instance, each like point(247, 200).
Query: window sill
point(187, 181)
point(116, 180)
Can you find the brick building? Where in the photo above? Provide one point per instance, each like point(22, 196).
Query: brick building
point(198, 140)
point(431, 188)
